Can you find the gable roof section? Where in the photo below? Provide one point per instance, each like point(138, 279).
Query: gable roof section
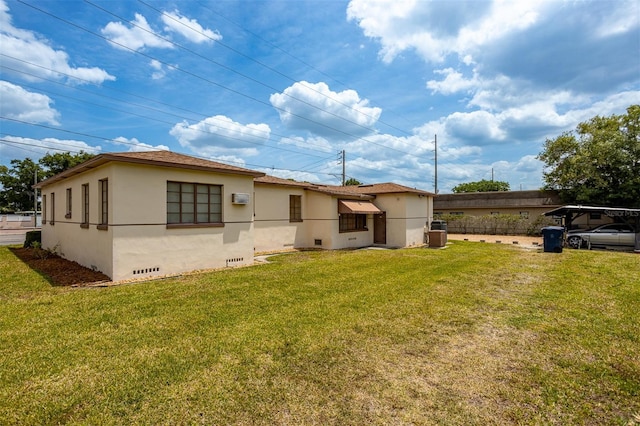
point(153, 158)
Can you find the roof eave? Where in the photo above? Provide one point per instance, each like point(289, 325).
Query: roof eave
point(101, 159)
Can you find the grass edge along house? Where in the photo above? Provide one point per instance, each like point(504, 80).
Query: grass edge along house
point(155, 213)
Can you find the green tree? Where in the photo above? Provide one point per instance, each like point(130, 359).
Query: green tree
point(17, 185)
point(16, 182)
point(61, 161)
point(481, 186)
point(598, 163)
point(352, 182)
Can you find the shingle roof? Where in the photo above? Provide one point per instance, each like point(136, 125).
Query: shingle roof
point(359, 191)
point(377, 188)
point(279, 181)
point(156, 158)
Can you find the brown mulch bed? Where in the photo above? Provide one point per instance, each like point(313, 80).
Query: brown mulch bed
point(59, 271)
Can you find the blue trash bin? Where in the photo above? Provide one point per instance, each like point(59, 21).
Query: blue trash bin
point(552, 238)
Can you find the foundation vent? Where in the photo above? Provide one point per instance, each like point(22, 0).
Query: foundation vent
point(317, 242)
point(235, 261)
point(146, 271)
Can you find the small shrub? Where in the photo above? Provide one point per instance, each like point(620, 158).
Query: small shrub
point(32, 237)
point(41, 253)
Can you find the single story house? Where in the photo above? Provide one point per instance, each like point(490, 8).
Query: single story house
point(142, 214)
point(302, 215)
point(145, 214)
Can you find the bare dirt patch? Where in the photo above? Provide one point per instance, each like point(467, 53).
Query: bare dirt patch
point(59, 271)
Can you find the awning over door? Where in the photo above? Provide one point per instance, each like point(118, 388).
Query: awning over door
point(357, 207)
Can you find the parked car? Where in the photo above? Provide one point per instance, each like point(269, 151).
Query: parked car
point(612, 234)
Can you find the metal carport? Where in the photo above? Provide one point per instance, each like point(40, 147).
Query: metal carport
point(619, 214)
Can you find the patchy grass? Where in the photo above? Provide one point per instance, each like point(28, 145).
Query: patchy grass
point(474, 334)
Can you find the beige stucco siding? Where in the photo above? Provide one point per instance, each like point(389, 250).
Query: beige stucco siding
point(324, 225)
point(89, 246)
point(137, 242)
point(272, 229)
point(144, 246)
point(419, 213)
point(406, 216)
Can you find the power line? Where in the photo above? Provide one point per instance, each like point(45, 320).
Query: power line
point(173, 67)
point(262, 64)
point(231, 69)
point(136, 105)
point(196, 76)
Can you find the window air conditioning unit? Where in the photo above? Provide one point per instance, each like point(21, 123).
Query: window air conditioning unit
point(240, 198)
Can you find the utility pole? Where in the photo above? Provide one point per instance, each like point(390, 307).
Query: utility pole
point(436, 163)
point(35, 198)
point(342, 159)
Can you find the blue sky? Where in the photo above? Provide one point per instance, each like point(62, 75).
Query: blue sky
point(284, 86)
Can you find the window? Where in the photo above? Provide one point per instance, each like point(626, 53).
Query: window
point(44, 209)
point(457, 213)
point(295, 208)
point(68, 214)
point(104, 203)
point(53, 208)
point(85, 206)
point(193, 203)
point(350, 222)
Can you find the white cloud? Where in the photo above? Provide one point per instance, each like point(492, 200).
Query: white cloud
point(317, 109)
point(316, 143)
point(621, 19)
point(137, 36)
point(476, 127)
point(136, 146)
point(437, 29)
point(453, 82)
point(18, 147)
point(27, 52)
point(217, 135)
point(23, 105)
point(189, 28)
point(159, 72)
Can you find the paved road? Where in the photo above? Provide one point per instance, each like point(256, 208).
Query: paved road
point(12, 237)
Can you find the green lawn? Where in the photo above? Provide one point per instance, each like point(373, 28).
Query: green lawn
point(473, 334)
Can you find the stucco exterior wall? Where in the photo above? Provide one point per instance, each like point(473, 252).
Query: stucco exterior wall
point(145, 246)
point(321, 220)
point(137, 242)
point(89, 246)
point(419, 213)
point(407, 215)
point(323, 225)
point(272, 229)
